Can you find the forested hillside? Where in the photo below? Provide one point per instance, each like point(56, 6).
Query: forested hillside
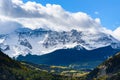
point(14, 70)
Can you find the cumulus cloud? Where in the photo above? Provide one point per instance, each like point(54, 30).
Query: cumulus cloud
point(17, 9)
point(98, 20)
point(117, 33)
point(7, 26)
point(34, 15)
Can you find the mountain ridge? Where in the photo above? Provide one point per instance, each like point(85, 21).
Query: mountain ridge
point(66, 57)
point(40, 41)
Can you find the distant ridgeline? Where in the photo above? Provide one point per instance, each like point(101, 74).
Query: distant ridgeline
point(72, 57)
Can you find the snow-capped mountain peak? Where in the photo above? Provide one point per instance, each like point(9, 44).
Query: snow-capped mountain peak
point(40, 41)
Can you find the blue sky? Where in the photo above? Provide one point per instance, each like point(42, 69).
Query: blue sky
point(107, 10)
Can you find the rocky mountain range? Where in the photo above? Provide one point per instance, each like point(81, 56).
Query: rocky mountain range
point(40, 41)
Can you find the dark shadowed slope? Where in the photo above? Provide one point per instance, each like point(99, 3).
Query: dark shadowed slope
point(14, 70)
point(73, 56)
point(108, 70)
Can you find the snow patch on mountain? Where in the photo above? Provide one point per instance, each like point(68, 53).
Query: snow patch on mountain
point(38, 42)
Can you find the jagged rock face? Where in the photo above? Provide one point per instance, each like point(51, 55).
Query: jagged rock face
point(25, 43)
point(86, 39)
point(40, 41)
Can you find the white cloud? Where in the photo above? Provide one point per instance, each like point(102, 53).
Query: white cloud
point(8, 25)
point(98, 20)
point(34, 15)
point(117, 33)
